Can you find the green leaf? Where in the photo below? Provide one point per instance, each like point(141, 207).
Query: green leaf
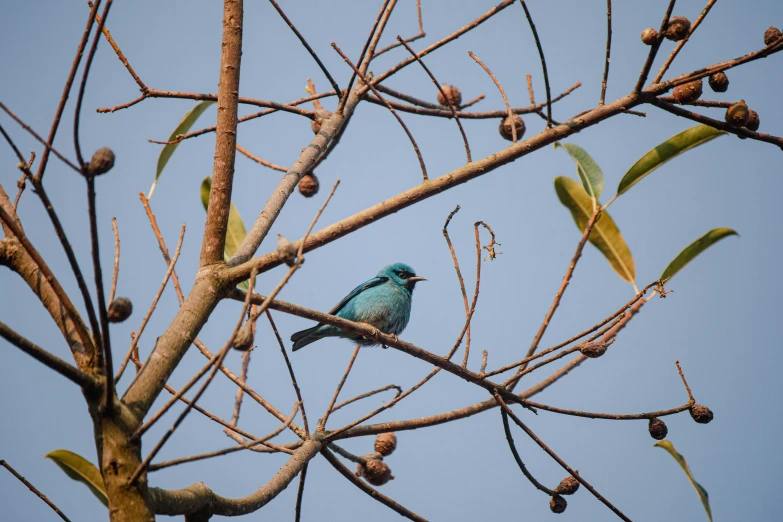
point(184, 126)
point(705, 500)
point(587, 169)
point(671, 148)
point(235, 232)
point(696, 248)
point(605, 235)
point(80, 469)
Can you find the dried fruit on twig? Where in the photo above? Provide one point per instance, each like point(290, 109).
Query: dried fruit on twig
point(678, 28)
point(688, 92)
point(649, 36)
point(509, 122)
point(719, 82)
point(120, 309)
point(738, 114)
point(320, 117)
point(753, 121)
point(285, 250)
point(557, 504)
point(701, 414)
point(567, 486)
point(102, 162)
point(375, 471)
point(593, 349)
point(308, 185)
point(657, 429)
point(386, 443)
point(244, 338)
point(453, 95)
point(771, 34)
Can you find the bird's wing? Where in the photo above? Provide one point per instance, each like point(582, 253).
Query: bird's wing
point(375, 281)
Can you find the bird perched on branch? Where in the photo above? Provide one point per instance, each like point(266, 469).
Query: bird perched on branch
point(383, 302)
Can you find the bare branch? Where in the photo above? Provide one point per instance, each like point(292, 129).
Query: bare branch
point(32, 488)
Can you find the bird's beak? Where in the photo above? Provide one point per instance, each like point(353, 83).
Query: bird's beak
point(416, 278)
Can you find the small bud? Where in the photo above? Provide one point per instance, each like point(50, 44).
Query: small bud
point(649, 36)
point(657, 429)
point(701, 414)
point(120, 309)
point(753, 121)
point(244, 338)
point(506, 124)
point(557, 504)
point(719, 82)
point(375, 471)
point(567, 486)
point(738, 114)
point(688, 92)
point(386, 443)
point(677, 29)
point(285, 250)
point(102, 162)
point(771, 34)
point(308, 185)
point(320, 117)
point(453, 95)
point(593, 349)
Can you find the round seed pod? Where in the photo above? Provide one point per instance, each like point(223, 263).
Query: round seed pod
point(649, 36)
point(738, 114)
point(506, 125)
point(557, 504)
point(701, 414)
point(244, 338)
point(719, 82)
point(771, 34)
point(657, 429)
point(688, 92)
point(120, 309)
point(386, 443)
point(320, 116)
point(453, 95)
point(375, 471)
point(102, 162)
point(753, 121)
point(678, 28)
point(308, 185)
point(285, 250)
point(567, 486)
point(593, 349)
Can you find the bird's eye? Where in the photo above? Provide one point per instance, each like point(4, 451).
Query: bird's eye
point(403, 274)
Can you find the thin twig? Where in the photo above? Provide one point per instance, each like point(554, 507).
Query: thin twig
point(169, 272)
point(330, 409)
point(557, 459)
point(240, 391)
point(515, 453)
point(474, 101)
point(388, 106)
point(459, 274)
point(21, 183)
point(290, 371)
point(260, 161)
point(440, 89)
point(687, 388)
point(502, 92)
point(374, 493)
point(543, 64)
point(420, 34)
point(654, 49)
point(369, 394)
point(682, 42)
point(613, 416)
point(119, 53)
point(116, 272)
point(608, 50)
point(162, 245)
point(32, 488)
point(300, 494)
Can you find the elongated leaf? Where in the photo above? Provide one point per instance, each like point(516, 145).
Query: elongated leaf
point(605, 235)
point(703, 496)
point(80, 469)
point(587, 169)
point(235, 232)
point(184, 126)
point(696, 248)
point(671, 148)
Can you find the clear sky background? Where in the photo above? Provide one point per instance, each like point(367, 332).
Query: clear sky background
point(720, 322)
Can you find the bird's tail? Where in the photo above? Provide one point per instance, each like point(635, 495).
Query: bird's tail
point(303, 338)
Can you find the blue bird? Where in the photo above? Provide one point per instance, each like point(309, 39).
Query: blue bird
point(384, 302)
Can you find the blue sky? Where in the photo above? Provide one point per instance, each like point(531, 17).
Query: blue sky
point(719, 322)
